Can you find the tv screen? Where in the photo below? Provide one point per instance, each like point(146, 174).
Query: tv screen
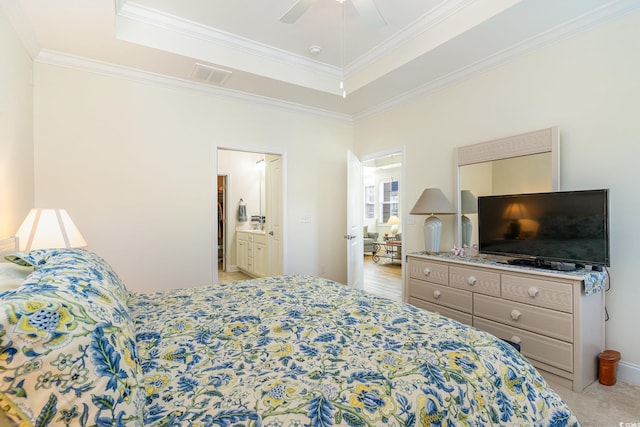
point(564, 226)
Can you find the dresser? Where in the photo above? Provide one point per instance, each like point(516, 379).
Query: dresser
point(560, 329)
point(251, 255)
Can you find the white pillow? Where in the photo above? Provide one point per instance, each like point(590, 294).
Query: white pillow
point(12, 275)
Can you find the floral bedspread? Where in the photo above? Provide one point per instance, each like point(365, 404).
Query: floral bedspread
point(78, 349)
point(299, 351)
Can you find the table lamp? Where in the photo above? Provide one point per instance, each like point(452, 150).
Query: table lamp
point(394, 222)
point(468, 205)
point(49, 228)
point(432, 202)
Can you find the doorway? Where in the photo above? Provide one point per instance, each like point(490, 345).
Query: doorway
point(383, 218)
point(222, 228)
point(254, 181)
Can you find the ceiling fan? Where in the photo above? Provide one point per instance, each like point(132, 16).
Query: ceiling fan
point(366, 8)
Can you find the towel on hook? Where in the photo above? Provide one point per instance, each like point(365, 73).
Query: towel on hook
point(242, 213)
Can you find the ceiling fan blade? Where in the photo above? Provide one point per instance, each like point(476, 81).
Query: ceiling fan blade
point(369, 13)
point(296, 11)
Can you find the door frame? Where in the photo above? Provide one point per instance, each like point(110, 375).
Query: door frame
point(216, 172)
point(401, 195)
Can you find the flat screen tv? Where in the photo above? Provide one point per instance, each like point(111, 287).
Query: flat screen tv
point(557, 227)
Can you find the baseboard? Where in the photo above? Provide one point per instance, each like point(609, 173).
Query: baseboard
point(629, 373)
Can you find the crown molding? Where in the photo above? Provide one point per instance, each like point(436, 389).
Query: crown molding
point(154, 17)
point(417, 27)
point(250, 48)
point(606, 13)
point(111, 70)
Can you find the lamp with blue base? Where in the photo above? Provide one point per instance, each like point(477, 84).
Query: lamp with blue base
point(432, 202)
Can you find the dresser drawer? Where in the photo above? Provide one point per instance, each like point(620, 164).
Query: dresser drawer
point(427, 270)
point(475, 280)
point(536, 347)
point(461, 317)
point(551, 323)
point(441, 295)
point(543, 293)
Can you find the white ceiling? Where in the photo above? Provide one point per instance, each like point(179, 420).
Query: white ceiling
point(423, 45)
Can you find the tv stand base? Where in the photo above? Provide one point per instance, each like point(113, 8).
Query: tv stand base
point(541, 263)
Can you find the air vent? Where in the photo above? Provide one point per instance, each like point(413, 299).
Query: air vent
point(209, 74)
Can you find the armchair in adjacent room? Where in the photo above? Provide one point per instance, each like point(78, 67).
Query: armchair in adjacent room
point(369, 238)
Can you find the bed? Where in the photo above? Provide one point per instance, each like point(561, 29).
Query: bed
point(78, 348)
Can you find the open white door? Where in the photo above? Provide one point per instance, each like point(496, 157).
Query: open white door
point(273, 207)
point(355, 259)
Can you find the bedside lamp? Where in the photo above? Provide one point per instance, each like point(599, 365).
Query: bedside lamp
point(394, 222)
point(49, 228)
point(468, 205)
point(432, 202)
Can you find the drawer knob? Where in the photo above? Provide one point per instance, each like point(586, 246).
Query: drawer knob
point(427, 271)
point(436, 294)
point(472, 280)
point(515, 314)
point(533, 291)
point(516, 339)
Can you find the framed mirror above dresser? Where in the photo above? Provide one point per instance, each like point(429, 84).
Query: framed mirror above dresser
point(524, 163)
point(553, 318)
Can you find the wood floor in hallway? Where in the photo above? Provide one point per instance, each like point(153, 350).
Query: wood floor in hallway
point(383, 278)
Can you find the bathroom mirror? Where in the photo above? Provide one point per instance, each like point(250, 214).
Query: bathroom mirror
point(525, 163)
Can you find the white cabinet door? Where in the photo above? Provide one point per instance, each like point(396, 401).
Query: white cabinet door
point(260, 259)
point(243, 254)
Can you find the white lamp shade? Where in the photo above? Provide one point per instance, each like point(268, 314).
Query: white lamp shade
point(49, 228)
point(393, 220)
point(432, 202)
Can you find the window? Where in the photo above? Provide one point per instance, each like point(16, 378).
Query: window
point(388, 200)
point(369, 202)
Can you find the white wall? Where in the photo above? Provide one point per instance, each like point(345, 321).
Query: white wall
point(588, 85)
point(16, 131)
point(133, 164)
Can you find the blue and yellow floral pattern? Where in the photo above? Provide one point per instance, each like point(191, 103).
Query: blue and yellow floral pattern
point(304, 351)
point(76, 348)
point(67, 345)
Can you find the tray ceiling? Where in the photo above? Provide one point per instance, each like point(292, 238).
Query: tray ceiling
point(423, 44)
